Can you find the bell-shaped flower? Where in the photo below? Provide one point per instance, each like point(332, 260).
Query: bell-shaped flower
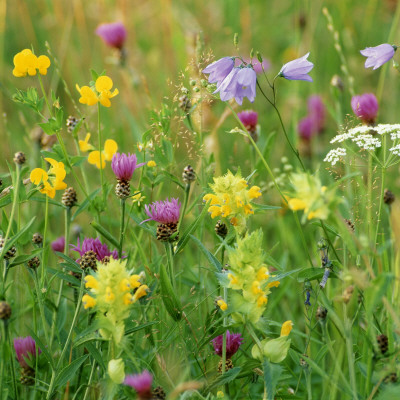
point(297, 69)
point(378, 55)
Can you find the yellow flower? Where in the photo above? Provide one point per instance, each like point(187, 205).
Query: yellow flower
point(91, 282)
point(142, 291)
point(128, 299)
point(134, 281)
point(248, 210)
point(26, 63)
point(151, 163)
point(215, 211)
point(84, 145)
point(125, 285)
point(220, 394)
point(88, 301)
point(102, 92)
point(51, 180)
point(110, 148)
point(222, 305)
point(286, 328)
point(212, 197)
point(110, 296)
point(297, 204)
point(262, 300)
point(138, 198)
point(254, 192)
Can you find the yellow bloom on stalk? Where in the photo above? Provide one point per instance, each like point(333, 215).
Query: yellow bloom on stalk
point(231, 198)
point(26, 63)
point(151, 163)
point(52, 180)
point(111, 293)
point(100, 93)
point(110, 148)
point(286, 328)
point(248, 277)
point(84, 145)
point(222, 304)
point(309, 195)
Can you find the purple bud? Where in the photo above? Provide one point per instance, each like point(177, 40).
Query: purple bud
point(306, 127)
point(233, 342)
point(219, 70)
point(113, 34)
point(365, 107)
point(298, 69)
point(25, 349)
point(379, 55)
point(58, 244)
point(316, 109)
point(249, 119)
point(141, 383)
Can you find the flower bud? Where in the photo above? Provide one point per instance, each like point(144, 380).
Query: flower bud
point(116, 370)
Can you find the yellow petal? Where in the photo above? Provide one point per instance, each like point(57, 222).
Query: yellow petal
point(110, 148)
point(94, 159)
point(297, 204)
point(151, 163)
point(88, 301)
point(103, 83)
point(91, 282)
point(43, 62)
point(286, 328)
point(52, 162)
point(222, 305)
point(114, 93)
point(84, 145)
point(88, 96)
point(104, 100)
point(48, 189)
point(38, 175)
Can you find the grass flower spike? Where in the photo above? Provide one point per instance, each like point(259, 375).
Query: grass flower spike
point(100, 93)
point(232, 199)
point(26, 63)
point(111, 295)
point(52, 180)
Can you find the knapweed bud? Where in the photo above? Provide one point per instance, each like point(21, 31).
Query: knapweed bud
point(10, 253)
point(221, 229)
point(235, 39)
point(391, 378)
point(19, 158)
point(388, 197)
point(185, 104)
point(88, 261)
point(71, 123)
point(188, 175)
point(116, 370)
point(383, 343)
point(350, 225)
point(159, 393)
point(69, 197)
point(37, 238)
point(5, 310)
point(321, 313)
point(34, 262)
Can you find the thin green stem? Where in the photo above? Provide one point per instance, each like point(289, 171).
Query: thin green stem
point(40, 303)
point(350, 357)
point(170, 260)
point(185, 201)
point(45, 96)
point(7, 334)
point(122, 226)
point(46, 222)
point(100, 152)
point(307, 374)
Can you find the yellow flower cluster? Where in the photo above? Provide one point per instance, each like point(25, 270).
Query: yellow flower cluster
point(102, 92)
point(112, 294)
point(110, 148)
point(26, 63)
point(248, 275)
point(309, 195)
point(52, 180)
point(232, 199)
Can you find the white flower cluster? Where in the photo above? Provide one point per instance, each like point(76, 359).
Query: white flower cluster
point(367, 142)
point(335, 155)
point(350, 134)
point(393, 129)
point(395, 150)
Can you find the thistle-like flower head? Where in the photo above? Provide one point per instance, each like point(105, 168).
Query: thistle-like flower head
point(113, 34)
point(233, 342)
point(141, 383)
point(124, 165)
point(163, 212)
point(100, 249)
point(25, 348)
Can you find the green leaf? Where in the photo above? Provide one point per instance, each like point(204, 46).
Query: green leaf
point(68, 372)
point(104, 232)
point(94, 352)
point(85, 203)
point(42, 347)
point(309, 274)
point(227, 377)
point(374, 293)
point(65, 277)
point(130, 330)
point(272, 372)
point(23, 258)
point(72, 264)
point(210, 257)
point(168, 295)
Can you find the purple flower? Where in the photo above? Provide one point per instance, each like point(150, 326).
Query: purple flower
point(249, 119)
point(241, 82)
point(298, 69)
point(25, 348)
point(141, 383)
point(316, 110)
point(58, 244)
point(306, 127)
point(97, 247)
point(113, 34)
point(124, 165)
point(233, 342)
point(379, 55)
point(219, 70)
point(365, 107)
point(256, 64)
point(163, 212)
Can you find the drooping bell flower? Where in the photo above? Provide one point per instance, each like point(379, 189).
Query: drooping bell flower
point(297, 69)
point(378, 55)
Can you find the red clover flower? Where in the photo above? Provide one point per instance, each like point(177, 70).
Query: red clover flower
point(366, 107)
point(233, 342)
point(113, 34)
point(25, 349)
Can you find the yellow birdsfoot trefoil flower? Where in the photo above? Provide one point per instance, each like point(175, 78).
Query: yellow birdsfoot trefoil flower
point(309, 195)
point(26, 63)
point(52, 180)
point(111, 294)
point(232, 199)
point(110, 148)
point(100, 93)
point(248, 278)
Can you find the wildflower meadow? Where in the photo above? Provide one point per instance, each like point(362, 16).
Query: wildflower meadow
point(199, 200)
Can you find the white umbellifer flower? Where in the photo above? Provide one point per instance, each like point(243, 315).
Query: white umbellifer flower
point(393, 129)
point(335, 155)
point(350, 134)
point(395, 150)
point(367, 142)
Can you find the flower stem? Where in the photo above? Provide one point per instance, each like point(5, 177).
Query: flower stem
point(350, 357)
point(185, 201)
point(121, 228)
point(100, 154)
point(7, 336)
point(46, 221)
point(40, 303)
point(170, 260)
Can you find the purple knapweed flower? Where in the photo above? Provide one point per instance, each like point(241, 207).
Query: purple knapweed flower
point(113, 34)
point(307, 127)
point(297, 70)
point(58, 244)
point(257, 66)
point(379, 55)
point(141, 383)
point(100, 249)
point(163, 212)
point(124, 165)
point(219, 70)
point(233, 342)
point(365, 107)
point(240, 83)
point(316, 109)
point(25, 349)
point(249, 119)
